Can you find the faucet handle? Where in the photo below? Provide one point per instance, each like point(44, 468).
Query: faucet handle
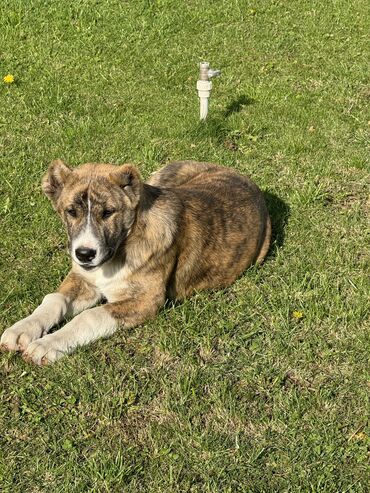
point(213, 73)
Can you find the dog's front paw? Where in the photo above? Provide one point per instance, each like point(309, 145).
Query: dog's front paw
point(43, 351)
point(20, 335)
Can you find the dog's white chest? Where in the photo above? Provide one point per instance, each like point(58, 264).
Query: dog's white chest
point(110, 281)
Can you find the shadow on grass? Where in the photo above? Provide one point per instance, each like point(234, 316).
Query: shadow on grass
point(279, 212)
point(237, 105)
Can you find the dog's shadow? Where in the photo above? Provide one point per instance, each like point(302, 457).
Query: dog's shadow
point(279, 213)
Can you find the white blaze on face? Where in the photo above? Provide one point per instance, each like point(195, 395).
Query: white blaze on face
point(87, 239)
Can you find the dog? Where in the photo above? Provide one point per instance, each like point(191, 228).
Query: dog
point(192, 226)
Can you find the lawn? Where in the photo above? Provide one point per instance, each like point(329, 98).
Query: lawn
point(261, 387)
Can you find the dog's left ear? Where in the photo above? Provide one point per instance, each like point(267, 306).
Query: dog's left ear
point(128, 178)
point(54, 180)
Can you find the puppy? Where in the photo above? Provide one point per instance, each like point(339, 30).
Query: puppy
point(192, 226)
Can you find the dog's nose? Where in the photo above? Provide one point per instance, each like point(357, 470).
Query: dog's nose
point(85, 254)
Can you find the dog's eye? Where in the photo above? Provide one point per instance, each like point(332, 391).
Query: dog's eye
point(107, 213)
point(72, 212)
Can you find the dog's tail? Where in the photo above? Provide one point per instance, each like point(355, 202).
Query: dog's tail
point(266, 242)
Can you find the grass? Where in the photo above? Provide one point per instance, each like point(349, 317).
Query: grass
point(228, 391)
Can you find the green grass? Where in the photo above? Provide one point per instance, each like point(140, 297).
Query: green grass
point(226, 392)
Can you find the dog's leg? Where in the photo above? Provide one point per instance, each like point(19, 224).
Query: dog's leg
point(95, 323)
point(72, 296)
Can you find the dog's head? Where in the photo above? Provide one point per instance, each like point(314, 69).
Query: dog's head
point(97, 203)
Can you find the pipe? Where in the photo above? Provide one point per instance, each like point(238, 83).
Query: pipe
point(204, 86)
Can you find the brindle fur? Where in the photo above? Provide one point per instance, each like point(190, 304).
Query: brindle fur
point(192, 226)
point(197, 226)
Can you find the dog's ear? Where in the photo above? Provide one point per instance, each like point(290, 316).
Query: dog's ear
point(55, 178)
point(127, 177)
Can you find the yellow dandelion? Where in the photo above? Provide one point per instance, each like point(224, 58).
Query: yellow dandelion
point(358, 436)
point(297, 315)
point(8, 79)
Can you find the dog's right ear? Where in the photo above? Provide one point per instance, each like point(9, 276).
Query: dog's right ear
point(127, 177)
point(54, 180)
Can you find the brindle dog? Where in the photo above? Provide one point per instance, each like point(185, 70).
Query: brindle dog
point(192, 226)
